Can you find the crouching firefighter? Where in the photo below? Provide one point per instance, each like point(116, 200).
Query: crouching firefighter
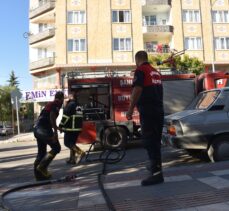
point(45, 132)
point(71, 125)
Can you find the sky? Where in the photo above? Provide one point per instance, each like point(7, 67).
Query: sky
point(14, 53)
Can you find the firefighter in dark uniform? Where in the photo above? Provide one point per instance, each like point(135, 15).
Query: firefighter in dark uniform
point(45, 132)
point(71, 125)
point(147, 95)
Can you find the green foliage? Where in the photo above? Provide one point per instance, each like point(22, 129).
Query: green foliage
point(184, 64)
point(26, 111)
point(5, 103)
point(13, 81)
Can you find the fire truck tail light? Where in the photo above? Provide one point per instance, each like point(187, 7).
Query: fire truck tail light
point(172, 130)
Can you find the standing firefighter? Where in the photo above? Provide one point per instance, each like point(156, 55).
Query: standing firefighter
point(45, 131)
point(71, 125)
point(147, 95)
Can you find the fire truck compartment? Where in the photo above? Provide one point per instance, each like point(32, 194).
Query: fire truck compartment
point(95, 100)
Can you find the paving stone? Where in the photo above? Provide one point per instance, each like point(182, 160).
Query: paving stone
point(201, 175)
point(214, 207)
point(215, 182)
point(220, 172)
point(87, 198)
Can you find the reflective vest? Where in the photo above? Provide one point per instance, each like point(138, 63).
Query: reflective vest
point(73, 122)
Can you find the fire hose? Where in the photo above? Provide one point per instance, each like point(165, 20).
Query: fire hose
point(105, 158)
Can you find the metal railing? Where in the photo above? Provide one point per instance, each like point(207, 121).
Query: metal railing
point(42, 9)
point(42, 63)
point(159, 28)
point(42, 36)
point(157, 50)
point(157, 2)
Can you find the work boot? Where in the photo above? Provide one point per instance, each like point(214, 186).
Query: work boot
point(72, 158)
point(156, 177)
point(80, 154)
point(42, 167)
point(37, 175)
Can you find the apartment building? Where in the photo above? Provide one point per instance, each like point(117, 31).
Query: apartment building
point(102, 36)
point(202, 27)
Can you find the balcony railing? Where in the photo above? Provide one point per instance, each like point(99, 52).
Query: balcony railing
point(42, 63)
point(42, 9)
point(158, 28)
point(42, 36)
point(156, 2)
point(158, 50)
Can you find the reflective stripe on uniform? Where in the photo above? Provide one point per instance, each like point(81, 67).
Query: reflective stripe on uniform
point(75, 117)
point(71, 129)
point(64, 119)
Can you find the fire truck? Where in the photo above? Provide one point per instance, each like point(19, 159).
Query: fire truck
point(105, 101)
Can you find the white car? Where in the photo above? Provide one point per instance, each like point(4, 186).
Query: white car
point(203, 126)
point(6, 130)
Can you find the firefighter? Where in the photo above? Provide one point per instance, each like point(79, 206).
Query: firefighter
point(45, 132)
point(71, 125)
point(147, 95)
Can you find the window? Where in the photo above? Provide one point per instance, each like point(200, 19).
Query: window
point(220, 16)
point(122, 44)
point(42, 27)
point(207, 99)
point(222, 43)
point(42, 53)
point(191, 16)
point(42, 2)
point(76, 17)
point(151, 46)
point(76, 45)
point(149, 20)
point(193, 43)
point(204, 100)
point(121, 16)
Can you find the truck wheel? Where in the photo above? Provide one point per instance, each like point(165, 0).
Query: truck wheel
point(219, 149)
point(114, 137)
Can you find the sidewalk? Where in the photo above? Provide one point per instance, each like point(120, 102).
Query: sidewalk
point(17, 138)
point(200, 187)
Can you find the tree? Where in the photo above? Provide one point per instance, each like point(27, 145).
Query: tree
point(184, 64)
point(13, 81)
point(5, 103)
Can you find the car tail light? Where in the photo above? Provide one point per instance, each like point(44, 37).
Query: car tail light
point(172, 130)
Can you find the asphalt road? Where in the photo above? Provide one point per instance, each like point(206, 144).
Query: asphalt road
point(16, 162)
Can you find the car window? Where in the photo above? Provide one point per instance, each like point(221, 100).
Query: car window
point(207, 99)
point(1, 126)
point(204, 100)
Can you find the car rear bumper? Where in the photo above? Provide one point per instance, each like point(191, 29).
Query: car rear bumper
point(184, 142)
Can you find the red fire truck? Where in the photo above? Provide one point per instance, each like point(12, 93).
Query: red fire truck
point(106, 99)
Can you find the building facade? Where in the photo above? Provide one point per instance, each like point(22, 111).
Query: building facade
point(96, 36)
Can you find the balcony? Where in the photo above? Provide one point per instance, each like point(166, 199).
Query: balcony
point(156, 2)
point(158, 49)
point(158, 29)
point(42, 9)
point(42, 36)
point(42, 63)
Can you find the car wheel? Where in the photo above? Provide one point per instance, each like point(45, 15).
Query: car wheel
point(114, 137)
point(198, 153)
point(219, 149)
